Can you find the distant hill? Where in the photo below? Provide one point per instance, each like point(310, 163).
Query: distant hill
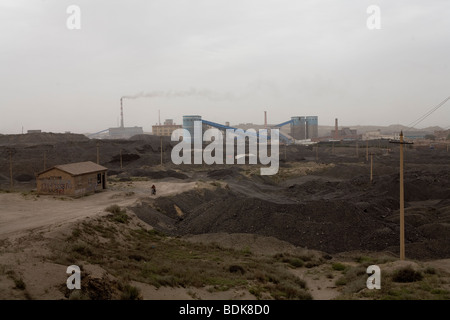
point(391, 129)
point(325, 130)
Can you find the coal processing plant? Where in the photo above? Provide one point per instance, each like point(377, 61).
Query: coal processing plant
point(302, 128)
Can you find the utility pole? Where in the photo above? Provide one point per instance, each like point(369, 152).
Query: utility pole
point(402, 199)
point(402, 203)
point(160, 138)
point(10, 169)
point(121, 167)
point(367, 150)
point(98, 154)
point(371, 167)
point(45, 159)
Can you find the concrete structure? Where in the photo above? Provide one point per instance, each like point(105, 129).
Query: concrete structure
point(303, 128)
point(188, 124)
point(312, 127)
point(344, 133)
point(34, 131)
point(74, 179)
point(377, 135)
point(166, 129)
point(298, 126)
point(124, 132)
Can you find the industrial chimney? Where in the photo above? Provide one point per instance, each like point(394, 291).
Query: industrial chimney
point(265, 119)
point(336, 129)
point(121, 113)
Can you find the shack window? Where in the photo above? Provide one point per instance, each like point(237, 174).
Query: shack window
point(99, 178)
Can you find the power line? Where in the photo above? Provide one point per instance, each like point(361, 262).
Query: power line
point(416, 122)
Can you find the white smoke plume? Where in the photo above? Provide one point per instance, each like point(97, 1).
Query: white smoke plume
point(208, 94)
point(257, 87)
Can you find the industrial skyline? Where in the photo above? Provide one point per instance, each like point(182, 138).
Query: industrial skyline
point(228, 62)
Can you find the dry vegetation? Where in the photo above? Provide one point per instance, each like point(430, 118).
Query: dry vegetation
point(131, 253)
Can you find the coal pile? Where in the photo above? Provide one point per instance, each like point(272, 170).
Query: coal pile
point(221, 174)
point(331, 216)
point(40, 138)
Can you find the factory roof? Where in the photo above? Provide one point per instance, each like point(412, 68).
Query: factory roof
point(78, 168)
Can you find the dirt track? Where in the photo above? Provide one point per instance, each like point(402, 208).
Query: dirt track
point(25, 212)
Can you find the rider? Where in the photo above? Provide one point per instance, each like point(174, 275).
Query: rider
point(153, 189)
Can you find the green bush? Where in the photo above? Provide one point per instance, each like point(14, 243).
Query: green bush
point(130, 293)
point(120, 217)
point(236, 268)
point(341, 281)
point(338, 266)
point(118, 214)
point(283, 291)
point(406, 274)
point(114, 209)
point(293, 261)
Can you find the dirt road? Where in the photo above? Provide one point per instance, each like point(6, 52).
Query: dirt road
point(22, 212)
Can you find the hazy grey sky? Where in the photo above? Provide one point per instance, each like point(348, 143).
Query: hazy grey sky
point(227, 60)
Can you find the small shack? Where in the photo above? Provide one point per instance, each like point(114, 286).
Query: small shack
point(73, 179)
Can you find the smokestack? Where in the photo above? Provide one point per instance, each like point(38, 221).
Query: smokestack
point(336, 129)
point(265, 119)
point(121, 113)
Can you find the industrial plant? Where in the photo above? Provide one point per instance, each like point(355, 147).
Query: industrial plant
point(301, 128)
point(121, 132)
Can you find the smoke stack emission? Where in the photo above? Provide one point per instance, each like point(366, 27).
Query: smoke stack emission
point(208, 94)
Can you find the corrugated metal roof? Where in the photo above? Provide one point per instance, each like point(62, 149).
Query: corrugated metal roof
point(78, 168)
